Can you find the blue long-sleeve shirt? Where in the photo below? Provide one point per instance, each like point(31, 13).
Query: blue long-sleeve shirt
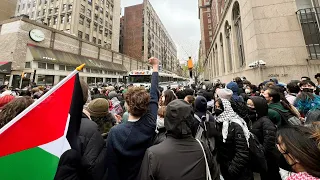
point(128, 142)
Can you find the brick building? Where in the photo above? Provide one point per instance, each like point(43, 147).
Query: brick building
point(145, 36)
point(96, 21)
point(47, 55)
point(263, 39)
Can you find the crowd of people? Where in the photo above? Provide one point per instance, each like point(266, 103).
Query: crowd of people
point(232, 131)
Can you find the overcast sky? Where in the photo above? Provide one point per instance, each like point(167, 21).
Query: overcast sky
point(180, 17)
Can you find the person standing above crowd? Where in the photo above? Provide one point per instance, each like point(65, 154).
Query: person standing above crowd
point(232, 141)
point(300, 147)
point(179, 156)
point(265, 131)
point(127, 142)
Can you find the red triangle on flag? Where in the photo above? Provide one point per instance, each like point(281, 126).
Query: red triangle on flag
point(44, 123)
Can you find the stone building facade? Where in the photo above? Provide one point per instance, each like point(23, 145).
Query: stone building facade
point(145, 36)
point(96, 21)
point(57, 54)
point(7, 9)
point(262, 39)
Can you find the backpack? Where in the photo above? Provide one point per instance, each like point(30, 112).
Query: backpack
point(203, 132)
point(241, 109)
point(258, 160)
point(312, 116)
point(287, 118)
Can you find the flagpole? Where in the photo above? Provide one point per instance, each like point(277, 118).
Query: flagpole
point(37, 102)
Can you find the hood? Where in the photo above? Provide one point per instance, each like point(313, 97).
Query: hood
point(178, 119)
point(234, 87)
point(260, 105)
point(200, 104)
point(275, 80)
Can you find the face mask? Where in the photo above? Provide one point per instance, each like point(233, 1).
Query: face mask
point(217, 112)
point(247, 91)
point(309, 90)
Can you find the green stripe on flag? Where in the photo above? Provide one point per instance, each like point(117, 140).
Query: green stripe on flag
point(31, 164)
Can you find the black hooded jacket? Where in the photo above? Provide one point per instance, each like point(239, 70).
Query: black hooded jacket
point(265, 131)
point(179, 156)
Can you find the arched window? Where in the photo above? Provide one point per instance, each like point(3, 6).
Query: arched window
point(238, 32)
point(222, 54)
point(228, 43)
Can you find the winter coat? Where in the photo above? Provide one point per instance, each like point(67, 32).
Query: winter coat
point(179, 156)
point(127, 142)
point(273, 115)
point(160, 136)
point(93, 150)
point(265, 131)
point(233, 155)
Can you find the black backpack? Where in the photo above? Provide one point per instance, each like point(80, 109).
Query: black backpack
point(287, 118)
point(203, 132)
point(258, 160)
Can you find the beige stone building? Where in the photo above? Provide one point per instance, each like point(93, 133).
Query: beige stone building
point(262, 39)
point(46, 55)
point(97, 21)
point(7, 9)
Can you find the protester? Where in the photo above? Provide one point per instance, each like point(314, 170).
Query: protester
point(307, 101)
point(265, 131)
point(275, 106)
point(160, 129)
point(92, 155)
point(224, 93)
point(13, 108)
point(128, 142)
point(292, 91)
point(171, 159)
point(317, 77)
point(190, 99)
point(201, 113)
point(239, 82)
point(99, 113)
point(235, 89)
point(167, 97)
point(300, 147)
point(232, 143)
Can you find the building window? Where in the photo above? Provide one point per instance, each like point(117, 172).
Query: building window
point(99, 41)
point(70, 68)
point(50, 11)
point(80, 34)
point(70, 6)
point(238, 33)
point(87, 37)
point(89, 13)
point(64, 7)
point(228, 41)
point(62, 19)
point(61, 78)
point(209, 20)
point(82, 9)
point(56, 10)
point(81, 20)
point(94, 40)
point(62, 67)
point(44, 12)
point(88, 24)
point(101, 10)
point(42, 65)
point(55, 20)
point(28, 65)
point(90, 2)
point(69, 18)
point(209, 26)
point(222, 54)
point(100, 20)
point(209, 15)
point(45, 80)
point(50, 66)
point(95, 27)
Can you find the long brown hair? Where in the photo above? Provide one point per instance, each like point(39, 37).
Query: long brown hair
point(13, 108)
point(303, 143)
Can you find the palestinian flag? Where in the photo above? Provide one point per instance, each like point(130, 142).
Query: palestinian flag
point(33, 142)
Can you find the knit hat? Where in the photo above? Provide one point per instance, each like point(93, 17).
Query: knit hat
point(225, 93)
point(98, 107)
point(201, 104)
point(5, 100)
point(112, 94)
